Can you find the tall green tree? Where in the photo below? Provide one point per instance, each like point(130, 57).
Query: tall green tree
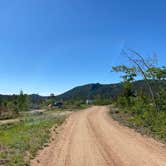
point(128, 76)
point(22, 102)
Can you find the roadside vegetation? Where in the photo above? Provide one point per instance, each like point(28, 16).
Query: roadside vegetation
point(143, 110)
point(11, 106)
point(20, 141)
point(26, 122)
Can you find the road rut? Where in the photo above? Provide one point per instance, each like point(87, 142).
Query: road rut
point(92, 138)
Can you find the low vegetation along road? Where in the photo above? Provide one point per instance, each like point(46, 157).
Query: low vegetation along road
point(91, 138)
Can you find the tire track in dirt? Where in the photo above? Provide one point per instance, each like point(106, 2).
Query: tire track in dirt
point(92, 138)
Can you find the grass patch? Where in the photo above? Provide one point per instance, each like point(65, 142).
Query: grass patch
point(19, 142)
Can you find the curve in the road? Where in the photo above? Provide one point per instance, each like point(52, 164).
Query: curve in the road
point(91, 138)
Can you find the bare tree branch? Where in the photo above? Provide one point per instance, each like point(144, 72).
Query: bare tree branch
point(140, 68)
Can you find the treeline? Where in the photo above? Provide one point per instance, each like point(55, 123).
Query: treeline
point(144, 111)
point(12, 105)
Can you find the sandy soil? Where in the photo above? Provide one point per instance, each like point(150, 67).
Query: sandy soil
point(91, 138)
point(9, 121)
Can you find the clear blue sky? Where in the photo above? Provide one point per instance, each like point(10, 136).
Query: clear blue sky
point(53, 45)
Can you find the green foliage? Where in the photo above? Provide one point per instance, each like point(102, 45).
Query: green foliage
point(137, 107)
point(102, 101)
point(141, 116)
point(156, 73)
point(74, 105)
point(22, 102)
point(21, 141)
point(161, 96)
point(122, 101)
point(8, 109)
point(128, 72)
point(51, 99)
point(12, 105)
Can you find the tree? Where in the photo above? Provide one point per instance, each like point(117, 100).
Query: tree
point(52, 98)
point(156, 73)
point(22, 102)
point(129, 74)
point(145, 67)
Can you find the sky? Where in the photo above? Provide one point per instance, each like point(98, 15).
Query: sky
point(50, 46)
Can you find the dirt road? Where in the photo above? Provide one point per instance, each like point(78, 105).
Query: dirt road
point(91, 138)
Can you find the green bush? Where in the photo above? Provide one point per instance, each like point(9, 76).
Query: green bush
point(102, 102)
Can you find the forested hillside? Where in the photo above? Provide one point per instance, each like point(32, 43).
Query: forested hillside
point(106, 90)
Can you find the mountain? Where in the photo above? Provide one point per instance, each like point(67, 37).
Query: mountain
point(105, 90)
point(91, 90)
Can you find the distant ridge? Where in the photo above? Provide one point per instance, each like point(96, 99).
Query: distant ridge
point(92, 90)
point(105, 90)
